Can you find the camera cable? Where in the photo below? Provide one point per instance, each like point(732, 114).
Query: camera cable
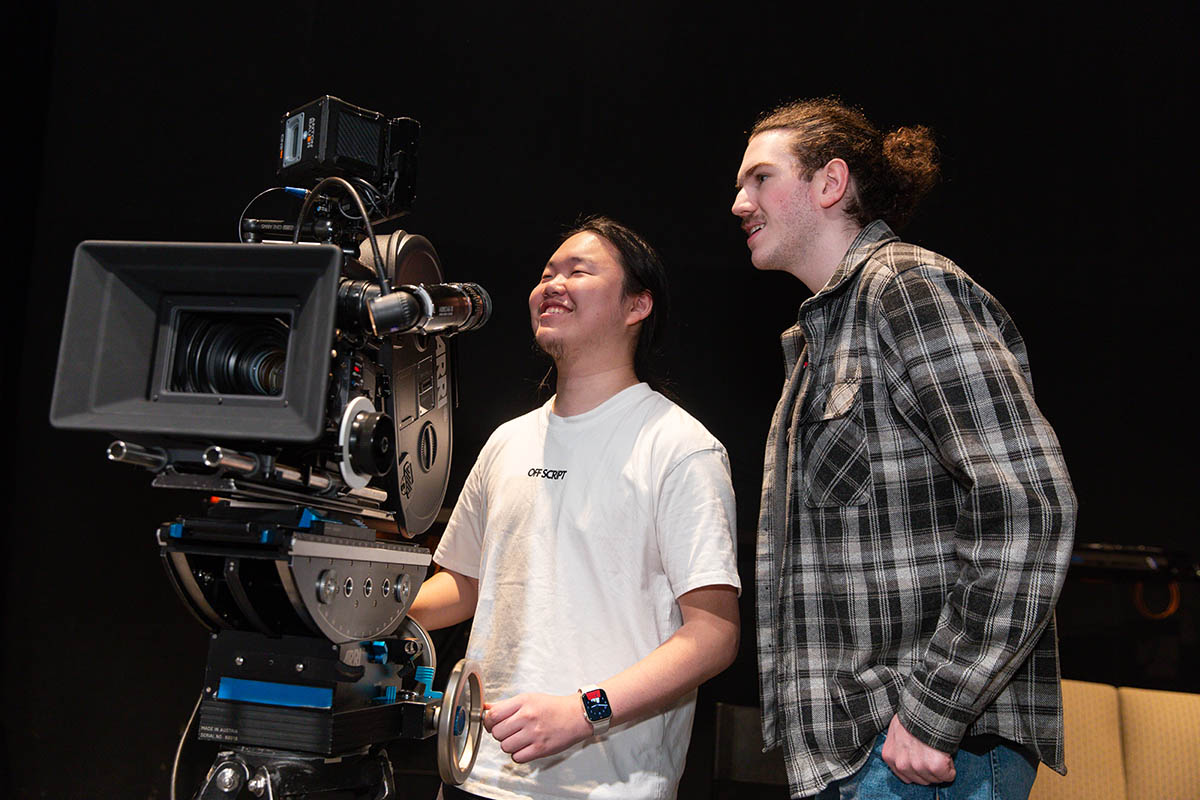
point(183, 738)
point(380, 271)
point(371, 196)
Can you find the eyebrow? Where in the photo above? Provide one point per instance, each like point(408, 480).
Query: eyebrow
point(738, 183)
point(568, 261)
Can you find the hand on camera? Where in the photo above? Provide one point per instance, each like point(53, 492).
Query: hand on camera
point(530, 726)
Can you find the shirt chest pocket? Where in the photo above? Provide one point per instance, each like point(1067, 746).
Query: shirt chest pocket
point(836, 465)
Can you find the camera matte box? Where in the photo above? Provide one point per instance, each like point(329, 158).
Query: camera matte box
point(114, 371)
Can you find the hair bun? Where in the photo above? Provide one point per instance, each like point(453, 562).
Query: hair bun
point(912, 155)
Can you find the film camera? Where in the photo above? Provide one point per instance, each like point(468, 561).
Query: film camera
point(300, 382)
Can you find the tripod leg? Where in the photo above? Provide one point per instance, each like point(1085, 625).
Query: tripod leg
point(387, 780)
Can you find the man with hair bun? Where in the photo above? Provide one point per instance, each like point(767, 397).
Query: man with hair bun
point(917, 516)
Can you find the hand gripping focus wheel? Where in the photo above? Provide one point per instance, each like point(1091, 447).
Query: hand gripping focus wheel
point(459, 722)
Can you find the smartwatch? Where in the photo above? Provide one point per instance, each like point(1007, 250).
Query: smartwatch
point(596, 708)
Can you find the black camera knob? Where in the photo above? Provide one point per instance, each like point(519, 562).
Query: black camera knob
point(372, 443)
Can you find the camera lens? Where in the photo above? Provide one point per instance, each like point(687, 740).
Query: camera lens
point(230, 354)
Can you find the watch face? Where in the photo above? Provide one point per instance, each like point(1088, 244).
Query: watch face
point(595, 703)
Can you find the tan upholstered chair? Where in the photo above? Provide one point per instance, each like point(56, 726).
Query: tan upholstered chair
point(1126, 744)
point(1095, 757)
point(1160, 734)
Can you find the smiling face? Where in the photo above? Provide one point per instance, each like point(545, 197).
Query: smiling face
point(579, 305)
point(774, 203)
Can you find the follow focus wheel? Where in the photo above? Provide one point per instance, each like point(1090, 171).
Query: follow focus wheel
point(460, 722)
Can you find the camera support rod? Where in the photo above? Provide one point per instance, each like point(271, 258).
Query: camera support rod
point(253, 465)
point(129, 453)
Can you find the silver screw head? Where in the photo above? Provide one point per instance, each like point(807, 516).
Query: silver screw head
point(228, 780)
point(327, 586)
point(257, 785)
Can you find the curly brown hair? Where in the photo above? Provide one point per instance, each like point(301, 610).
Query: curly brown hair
point(890, 173)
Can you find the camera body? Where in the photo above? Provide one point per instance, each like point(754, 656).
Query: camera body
point(262, 349)
point(301, 365)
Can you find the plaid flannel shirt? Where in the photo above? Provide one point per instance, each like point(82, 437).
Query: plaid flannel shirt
point(916, 522)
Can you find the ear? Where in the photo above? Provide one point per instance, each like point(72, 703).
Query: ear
point(638, 307)
point(831, 182)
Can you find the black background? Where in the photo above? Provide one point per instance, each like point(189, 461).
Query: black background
point(1068, 168)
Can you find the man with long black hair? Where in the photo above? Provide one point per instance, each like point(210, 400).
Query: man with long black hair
point(593, 543)
point(917, 516)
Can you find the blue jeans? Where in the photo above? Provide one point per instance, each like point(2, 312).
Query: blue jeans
point(1000, 773)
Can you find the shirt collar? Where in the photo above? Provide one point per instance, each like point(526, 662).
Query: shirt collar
point(869, 239)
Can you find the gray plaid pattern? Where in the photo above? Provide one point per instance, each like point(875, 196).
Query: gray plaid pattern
point(916, 522)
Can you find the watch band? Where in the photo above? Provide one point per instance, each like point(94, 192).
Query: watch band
point(596, 709)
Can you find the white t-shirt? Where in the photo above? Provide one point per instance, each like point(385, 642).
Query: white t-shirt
point(582, 532)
